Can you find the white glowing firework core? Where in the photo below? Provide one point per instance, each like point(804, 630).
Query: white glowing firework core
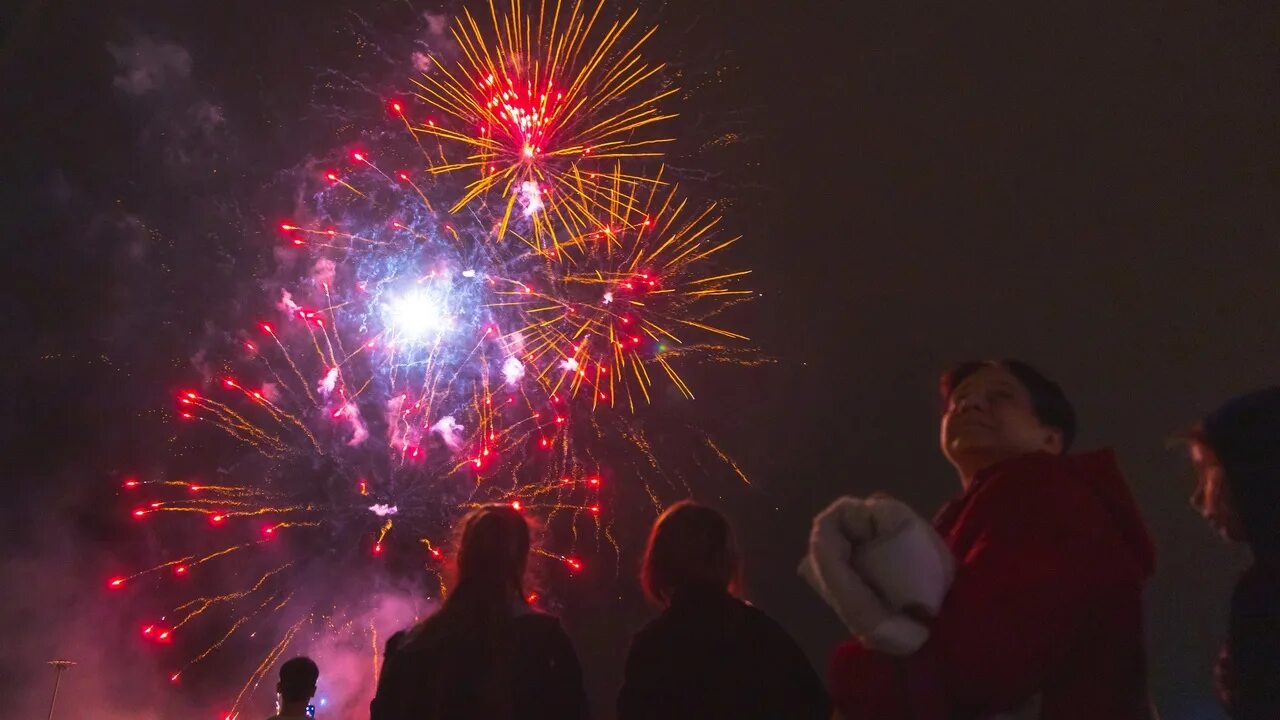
point(512, 370)
point(383, 510)
point(530, 197)
point(417, 314)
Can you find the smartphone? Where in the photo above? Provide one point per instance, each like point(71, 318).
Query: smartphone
point(311, 711)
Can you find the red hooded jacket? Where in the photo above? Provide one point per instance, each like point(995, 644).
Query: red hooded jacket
point(1051, 557)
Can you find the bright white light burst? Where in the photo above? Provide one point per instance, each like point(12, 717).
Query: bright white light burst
point(417, 314)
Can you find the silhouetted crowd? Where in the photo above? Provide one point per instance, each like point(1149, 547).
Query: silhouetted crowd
point(1022, 598)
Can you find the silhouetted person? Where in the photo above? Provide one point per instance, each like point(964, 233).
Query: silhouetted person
point(1236, 453)
point(710, 655)
point(1045, 614)
point(485, 654)
point(297, 686)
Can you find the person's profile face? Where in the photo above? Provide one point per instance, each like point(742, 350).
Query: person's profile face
point(990, 416)
point(1210, 497)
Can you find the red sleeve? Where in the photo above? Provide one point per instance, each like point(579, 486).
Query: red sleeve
point(1019, 597)
point(868, 684)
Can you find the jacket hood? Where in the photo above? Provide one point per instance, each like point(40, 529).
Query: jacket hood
point(1100, 472)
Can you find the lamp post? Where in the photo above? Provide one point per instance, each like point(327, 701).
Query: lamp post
point(59, 666)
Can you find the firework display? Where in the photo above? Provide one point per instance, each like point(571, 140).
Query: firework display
point(480, 307)
point(539, 105)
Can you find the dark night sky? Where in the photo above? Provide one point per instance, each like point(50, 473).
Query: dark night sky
point(1086, 187)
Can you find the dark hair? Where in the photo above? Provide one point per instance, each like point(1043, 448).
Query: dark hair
point(470, 636)
point(690, 544)
point(298, 678)
point(1245, 434)
point(472, 628)
point(494, 547)
point(493, 551)
point(1048, 402)
point(487, 573)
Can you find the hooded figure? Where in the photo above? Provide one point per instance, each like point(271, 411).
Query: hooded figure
point(1045, 615)
point(1236, 452)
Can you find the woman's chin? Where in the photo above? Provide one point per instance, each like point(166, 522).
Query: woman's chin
point(972, 445)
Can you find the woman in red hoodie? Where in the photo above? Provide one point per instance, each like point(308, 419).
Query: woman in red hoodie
point(1044, 618)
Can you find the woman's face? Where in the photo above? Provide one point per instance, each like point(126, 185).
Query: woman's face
point(1211, 498)
point(990, 417)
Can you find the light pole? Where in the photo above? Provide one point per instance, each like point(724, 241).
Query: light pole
point(59, 666)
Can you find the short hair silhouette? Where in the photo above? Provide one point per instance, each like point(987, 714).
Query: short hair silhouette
point(690, 545)
point(298, 678)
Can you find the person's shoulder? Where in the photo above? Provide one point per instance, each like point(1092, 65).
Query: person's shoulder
point(1070, 498)
point(397, 640)
point(733, 615)
point(659, 630)
point(536, 622)
point(1073, 505)
point(407, 639)
point(1043, 467)
point(536, 618)
point(762, 624)
point(753, 614)
point(1040, 481)
point(655, 640)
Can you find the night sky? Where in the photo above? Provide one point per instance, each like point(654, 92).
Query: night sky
point(1089, 187)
